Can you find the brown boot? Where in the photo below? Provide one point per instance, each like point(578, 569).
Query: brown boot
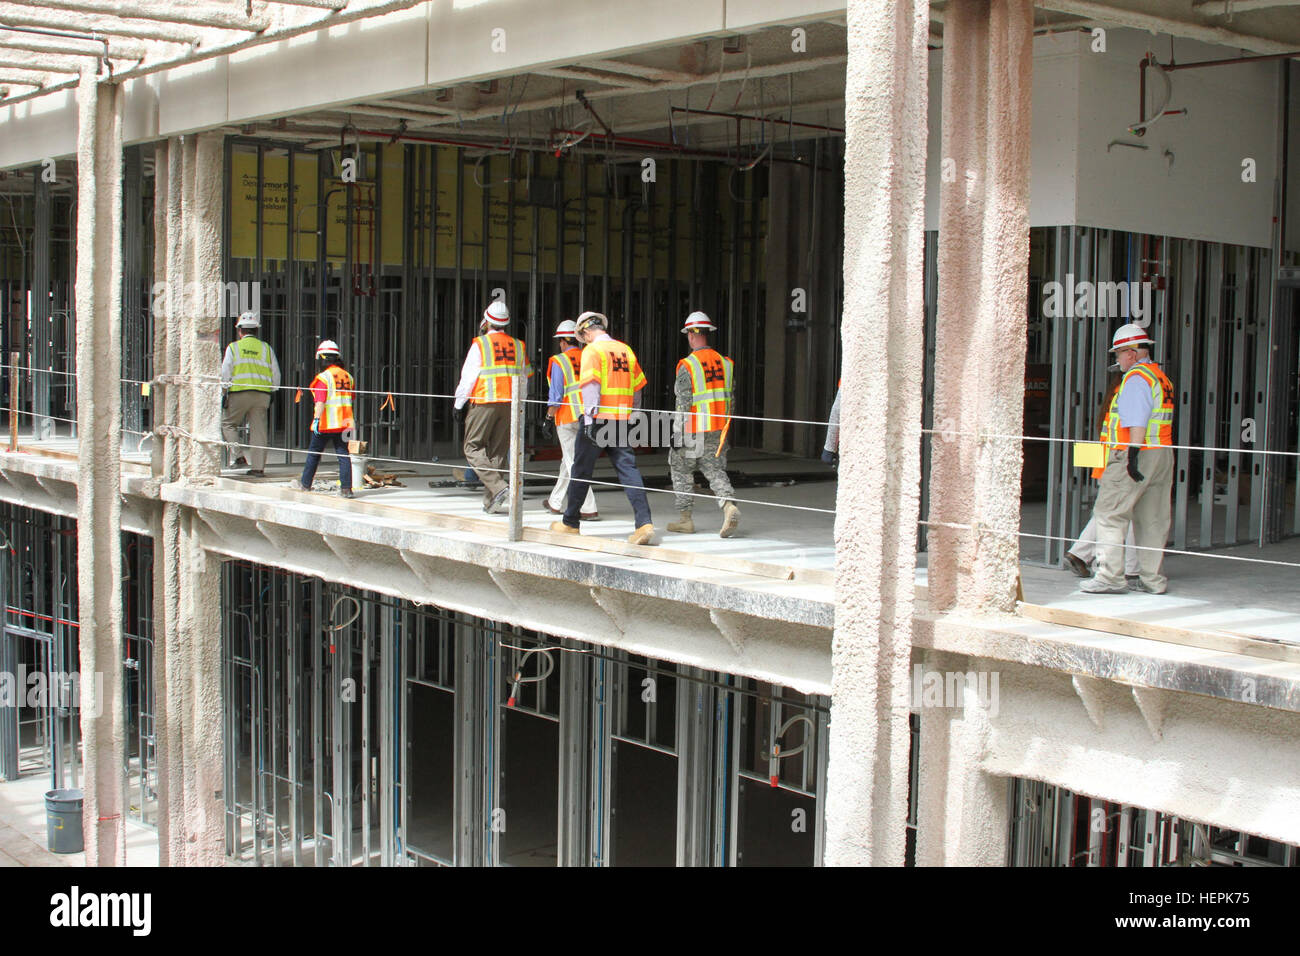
point(642, 535)
point(559, 527)
point(685, 526)
point(730, 519)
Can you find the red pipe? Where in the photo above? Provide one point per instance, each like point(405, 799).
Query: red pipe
point(42, 617)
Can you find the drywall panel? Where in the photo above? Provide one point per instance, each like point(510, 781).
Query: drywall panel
point(345, 64)
point(1186, 180)
point(471, 39)
point(750, 14)
point(1053, 134)
point(45, 127)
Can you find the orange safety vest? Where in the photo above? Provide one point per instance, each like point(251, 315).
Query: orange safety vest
point(337, 416)
point(614, 366)
point(570, 364)
point(1160, 431)
point(503, 358)
point(711, 382)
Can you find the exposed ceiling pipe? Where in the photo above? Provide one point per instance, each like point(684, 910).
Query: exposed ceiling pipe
point(318, 4)
point(644, 72)
point(595, 76)
point(44, 64)
point(59, 43)
point(1214, 8)
point(1157, 24)
point(365, 109)
point(15, 15)
point(416, 107)
point(756, 119)
point(224, 18)
point(546, 103)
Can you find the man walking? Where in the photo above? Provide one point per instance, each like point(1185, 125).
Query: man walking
point(250, 374)
point(704, 393)
point(610, 380)
point(487, 381)
point(1138, 471)
point(564, 409)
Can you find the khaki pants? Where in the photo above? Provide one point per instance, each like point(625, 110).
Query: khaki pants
point(568, 436)
point(251, 406)
point(487, 445)
point(1146, 504)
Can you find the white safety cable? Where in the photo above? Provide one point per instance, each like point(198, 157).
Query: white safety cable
point(177, 430)
point(944, 433)
point(38, 371)
point(980, 529)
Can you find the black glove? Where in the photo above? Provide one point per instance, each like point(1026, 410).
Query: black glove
point(548, 429)
point(1133, 464)
point(225, 399)
point(460, 413)
point(829, 457)
point(588, 430)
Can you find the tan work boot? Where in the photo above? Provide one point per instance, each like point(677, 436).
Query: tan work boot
point(642, 535)
point(685, 526)
point(559, 527)
point(730, 519)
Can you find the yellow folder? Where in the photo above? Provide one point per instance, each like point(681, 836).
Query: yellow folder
point(1089, 454)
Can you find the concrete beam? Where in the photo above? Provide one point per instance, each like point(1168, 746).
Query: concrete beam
point(878, 501)
point(1152, 23)
point(99, 414)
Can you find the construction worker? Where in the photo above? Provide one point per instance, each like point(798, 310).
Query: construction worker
point(332, 422)
point(704, 391)
point(1081, 557)
point(249, 373)
point(486, 384)
point(1138, 469)
point(564, 408)
point(610, 382)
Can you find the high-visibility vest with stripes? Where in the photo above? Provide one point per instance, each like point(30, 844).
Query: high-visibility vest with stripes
point(337, 416)
point(1160, 431)
point(570, 364)
point(503, 358)
point(252, 366)
point(711, 380)
point(614, 366)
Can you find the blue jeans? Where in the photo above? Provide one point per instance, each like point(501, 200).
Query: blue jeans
point(623, 459)
point(318, 442)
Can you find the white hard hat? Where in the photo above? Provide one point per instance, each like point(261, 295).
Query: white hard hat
point(328, 347)
point(1130, 336)
point(588, 319)
point(248, 320)
point(565, 329)
point(496, 313)
point(699, 322)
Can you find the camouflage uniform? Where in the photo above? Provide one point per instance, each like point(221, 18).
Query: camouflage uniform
point(698, 451)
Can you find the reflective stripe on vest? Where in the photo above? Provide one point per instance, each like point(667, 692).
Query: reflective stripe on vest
point(570, 364)
point(337, 416)
point(711, 383)
point(252, 366)
point(1159, 433)
point(503, 357)
point(613, 365)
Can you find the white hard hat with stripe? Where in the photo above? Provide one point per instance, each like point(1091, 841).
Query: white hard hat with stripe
point(496, 314)
point(699, 322)
point(327, 347)
point(589, 319)
point(565, 330)
point(1130, 337)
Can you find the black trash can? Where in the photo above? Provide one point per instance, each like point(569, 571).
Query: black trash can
point(63, 821)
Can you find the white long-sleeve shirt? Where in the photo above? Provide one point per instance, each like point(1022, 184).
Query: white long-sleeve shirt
point(469, 375)
point(833, 426)
point(228, 367)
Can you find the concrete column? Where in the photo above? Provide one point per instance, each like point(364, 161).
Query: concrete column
point(187, 585)
point(961, 810)
point(983, 287)
point(99, 423)
point(878, 502)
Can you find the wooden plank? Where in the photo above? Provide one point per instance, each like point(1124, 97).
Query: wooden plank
point(1225, 641)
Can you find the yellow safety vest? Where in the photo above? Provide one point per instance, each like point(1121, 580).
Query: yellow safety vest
point(503, 357)
point(252, 366)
